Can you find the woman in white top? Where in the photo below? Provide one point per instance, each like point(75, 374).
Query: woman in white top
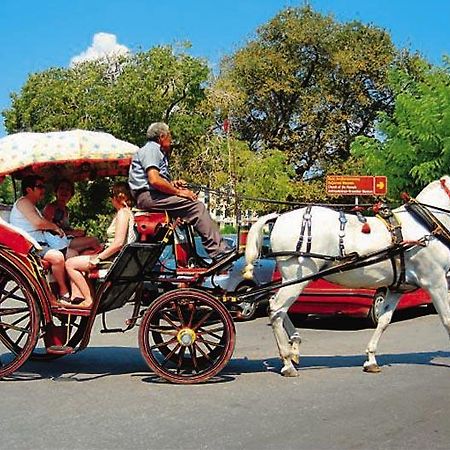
point(26, 216)
point(119, 233)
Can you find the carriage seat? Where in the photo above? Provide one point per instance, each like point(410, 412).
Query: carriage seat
point(149, 223)
point(16, 239)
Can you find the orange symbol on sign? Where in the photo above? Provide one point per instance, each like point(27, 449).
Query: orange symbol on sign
point(380, 185)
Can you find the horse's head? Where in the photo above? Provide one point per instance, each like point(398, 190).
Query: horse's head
point(437, 193)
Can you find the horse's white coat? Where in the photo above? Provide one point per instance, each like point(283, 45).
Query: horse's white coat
point(426, 267)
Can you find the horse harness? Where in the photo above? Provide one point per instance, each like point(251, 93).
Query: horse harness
point(396, 252)
point(385, 214)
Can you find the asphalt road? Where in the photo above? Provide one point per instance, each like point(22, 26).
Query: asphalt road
point(106, 398)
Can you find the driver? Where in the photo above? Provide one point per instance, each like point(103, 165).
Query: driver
point(153, 189)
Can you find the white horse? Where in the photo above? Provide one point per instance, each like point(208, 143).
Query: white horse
point(426, 266)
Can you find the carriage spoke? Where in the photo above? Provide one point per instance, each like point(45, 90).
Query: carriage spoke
point(13, 327)
point(168, 319)
point(6, 341)
point(202, 352)
point(180, 358)
point(169, 356)
point(191, 318)
point(164, 344)
point(164, 330)
point(11, 311)
point(21, 335)
point(6, 294)
point(203, 320)
point(193, 357)
point(179, 314)
point(212, 333)
point(207, 341)
point(20, 319)
point(10, 296)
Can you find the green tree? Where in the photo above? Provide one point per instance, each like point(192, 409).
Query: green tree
point(308, 85)
point(229, 165)
point(6, 191)
point(412, 147)
point(120, 96)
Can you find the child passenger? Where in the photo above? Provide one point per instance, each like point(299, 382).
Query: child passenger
point(119, 233)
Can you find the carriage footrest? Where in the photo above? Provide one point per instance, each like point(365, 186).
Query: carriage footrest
point(111, 330)
point(60, 350)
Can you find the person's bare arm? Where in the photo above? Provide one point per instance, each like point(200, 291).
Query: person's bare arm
point(120, 236)
point(162, 185)
point(48, 212)
point(29, 211)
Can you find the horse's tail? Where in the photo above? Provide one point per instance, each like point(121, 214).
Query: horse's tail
point(253, 246)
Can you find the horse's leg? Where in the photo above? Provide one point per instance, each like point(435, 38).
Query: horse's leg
point(387, 310)
point(294, 339)
point(440, 295)
point(279, 305)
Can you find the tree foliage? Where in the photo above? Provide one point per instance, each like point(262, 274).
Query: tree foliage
point(308, 85)
point(413, 144)
point(228, 165)
point(120, 96)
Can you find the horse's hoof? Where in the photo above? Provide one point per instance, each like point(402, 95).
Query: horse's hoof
point(289, 372)
point(372, 368)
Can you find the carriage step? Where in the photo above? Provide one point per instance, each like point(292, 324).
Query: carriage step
point(59, 350)
point(112, 330)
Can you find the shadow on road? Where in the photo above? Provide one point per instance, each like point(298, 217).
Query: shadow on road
point(99, 362)
point(243, 365)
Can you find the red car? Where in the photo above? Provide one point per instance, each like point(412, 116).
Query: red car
point(324, 298)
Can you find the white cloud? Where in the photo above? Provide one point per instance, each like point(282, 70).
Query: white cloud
point(104, 45)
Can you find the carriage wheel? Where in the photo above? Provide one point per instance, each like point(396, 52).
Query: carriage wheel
point(187, 336)
point(19, 320)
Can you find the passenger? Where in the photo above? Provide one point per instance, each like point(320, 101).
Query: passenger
point(57, 212)
point(120, 232)
point(25, 215)
point(153, 189)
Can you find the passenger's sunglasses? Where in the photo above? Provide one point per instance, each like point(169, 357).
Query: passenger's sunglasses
point(39, 186)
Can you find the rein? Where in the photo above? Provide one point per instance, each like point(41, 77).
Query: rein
point(421, 211)
point(227, 195)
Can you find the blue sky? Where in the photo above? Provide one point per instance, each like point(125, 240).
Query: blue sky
point(36, 35)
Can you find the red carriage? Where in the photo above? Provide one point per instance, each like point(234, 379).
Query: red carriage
point(186, 334)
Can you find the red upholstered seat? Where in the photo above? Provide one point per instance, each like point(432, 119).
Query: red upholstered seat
point(14, 240)
point(149, 223)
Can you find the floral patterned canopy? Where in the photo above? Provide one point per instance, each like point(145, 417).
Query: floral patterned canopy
point(76, 155)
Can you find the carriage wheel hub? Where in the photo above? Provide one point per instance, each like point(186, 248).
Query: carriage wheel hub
point(186, 337)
